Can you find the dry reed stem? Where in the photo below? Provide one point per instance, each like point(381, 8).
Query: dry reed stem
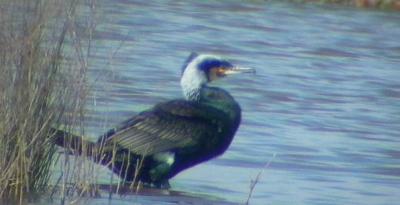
point(254, 182)
point(38, 90)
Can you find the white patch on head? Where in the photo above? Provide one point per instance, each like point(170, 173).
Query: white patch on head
point(193, 78)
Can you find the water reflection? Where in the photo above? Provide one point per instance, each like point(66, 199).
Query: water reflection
point(325, 99)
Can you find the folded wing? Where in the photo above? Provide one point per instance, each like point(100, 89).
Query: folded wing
point(167, 126)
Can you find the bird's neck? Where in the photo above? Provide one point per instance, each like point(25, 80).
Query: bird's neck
point(192, 83)
point(192, 94)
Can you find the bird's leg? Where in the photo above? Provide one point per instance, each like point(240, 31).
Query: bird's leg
point(159, 174)
point(161, 184)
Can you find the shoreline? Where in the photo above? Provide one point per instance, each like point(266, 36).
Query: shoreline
point(372, 4)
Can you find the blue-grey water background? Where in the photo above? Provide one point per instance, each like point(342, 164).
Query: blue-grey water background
point(325, 100)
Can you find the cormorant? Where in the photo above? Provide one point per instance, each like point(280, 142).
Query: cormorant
point(174, 135)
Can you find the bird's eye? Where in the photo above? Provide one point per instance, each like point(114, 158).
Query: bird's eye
point(221, 71)
point(216, 73)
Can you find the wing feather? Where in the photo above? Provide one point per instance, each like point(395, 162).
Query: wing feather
point(167, 126)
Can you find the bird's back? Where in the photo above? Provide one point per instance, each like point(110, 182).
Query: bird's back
point(191, 132)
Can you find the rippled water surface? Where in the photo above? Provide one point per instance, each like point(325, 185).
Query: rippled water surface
point(325, 100)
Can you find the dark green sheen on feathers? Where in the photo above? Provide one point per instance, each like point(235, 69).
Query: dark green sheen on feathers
point(191, 131)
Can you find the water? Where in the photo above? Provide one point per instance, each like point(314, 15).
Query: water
point(325, 99)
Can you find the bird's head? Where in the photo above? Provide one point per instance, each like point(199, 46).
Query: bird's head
point(199, 70)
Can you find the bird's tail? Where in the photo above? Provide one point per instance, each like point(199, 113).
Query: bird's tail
point(72, 143)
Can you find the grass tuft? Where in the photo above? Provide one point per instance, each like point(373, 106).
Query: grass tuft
point(39, 90)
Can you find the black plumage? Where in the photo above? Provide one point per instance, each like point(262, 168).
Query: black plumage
point(157, 144)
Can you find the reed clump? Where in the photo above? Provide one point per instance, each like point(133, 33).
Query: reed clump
point(39, 89)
